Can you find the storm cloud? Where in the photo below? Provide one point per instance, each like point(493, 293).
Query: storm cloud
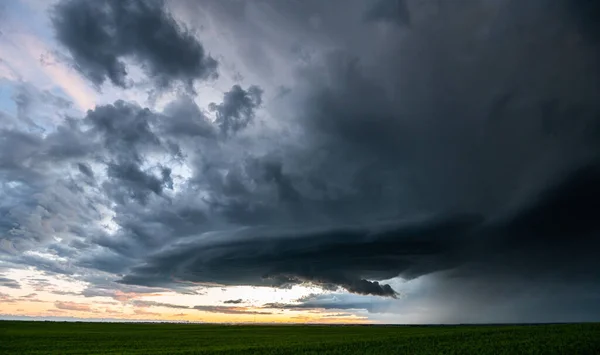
point(102, 35)
point(265, 256)
point(457, 148)
point(237, 109)
point(394, 11)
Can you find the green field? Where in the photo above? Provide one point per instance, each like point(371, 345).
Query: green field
point(126, 338)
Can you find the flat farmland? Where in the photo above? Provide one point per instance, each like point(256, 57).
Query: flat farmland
point(21, 337)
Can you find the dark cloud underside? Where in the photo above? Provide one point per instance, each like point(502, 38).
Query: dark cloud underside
point(394, 11)
point(102, 35)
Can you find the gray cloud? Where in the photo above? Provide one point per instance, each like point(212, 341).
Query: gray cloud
point(396, 150)
point(394, 11)
point(324, 302)
point(29, 99)
point(262, 256)
point(237, 109)
point(39, 284)
point(228, 310)
point(101, 35)
point(85, 169)
point(136, 182)
point(10, 283)
point(124, 129)
point(186, 120)
point(238, 301)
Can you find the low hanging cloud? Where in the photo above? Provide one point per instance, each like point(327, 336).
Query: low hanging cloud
point(266, 256)
point(102, 35)
point(238, 301)
point(334, 302)
point(230, 310)
point(203, 308)
point(142, 303)
point(73, 306)
point(237, 109)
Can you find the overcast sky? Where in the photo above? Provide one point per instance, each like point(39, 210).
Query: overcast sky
point(405, 161)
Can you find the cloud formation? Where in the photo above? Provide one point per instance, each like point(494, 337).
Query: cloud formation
point(277, 257)
point(73, 306)
point(460, 149)
point(229, 310)
point(10, 283)
point(394, 11)
point(102, 35)
point(238, 301)
point(142, 303)
point(325, 302)
point(237, 109)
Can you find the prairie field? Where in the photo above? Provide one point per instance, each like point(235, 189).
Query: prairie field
point(21, 337)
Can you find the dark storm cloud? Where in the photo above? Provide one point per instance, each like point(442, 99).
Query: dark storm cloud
point(10, 283)
point(462, 150)
point(533, 239)
point(237, 109)
point(336, 257)
point(102, 35)
point(521, 245)
point(124, 129)
point(587, 13)
point(186, 120)
point(334, 302)
point(424, 135)
point(394, 11)
point(137, 182)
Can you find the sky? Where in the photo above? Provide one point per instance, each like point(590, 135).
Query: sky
point(340, 161)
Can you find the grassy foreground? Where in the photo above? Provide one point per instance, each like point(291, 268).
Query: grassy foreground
point(122, 338)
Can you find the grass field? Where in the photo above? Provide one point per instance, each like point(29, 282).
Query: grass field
point(123, 338)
